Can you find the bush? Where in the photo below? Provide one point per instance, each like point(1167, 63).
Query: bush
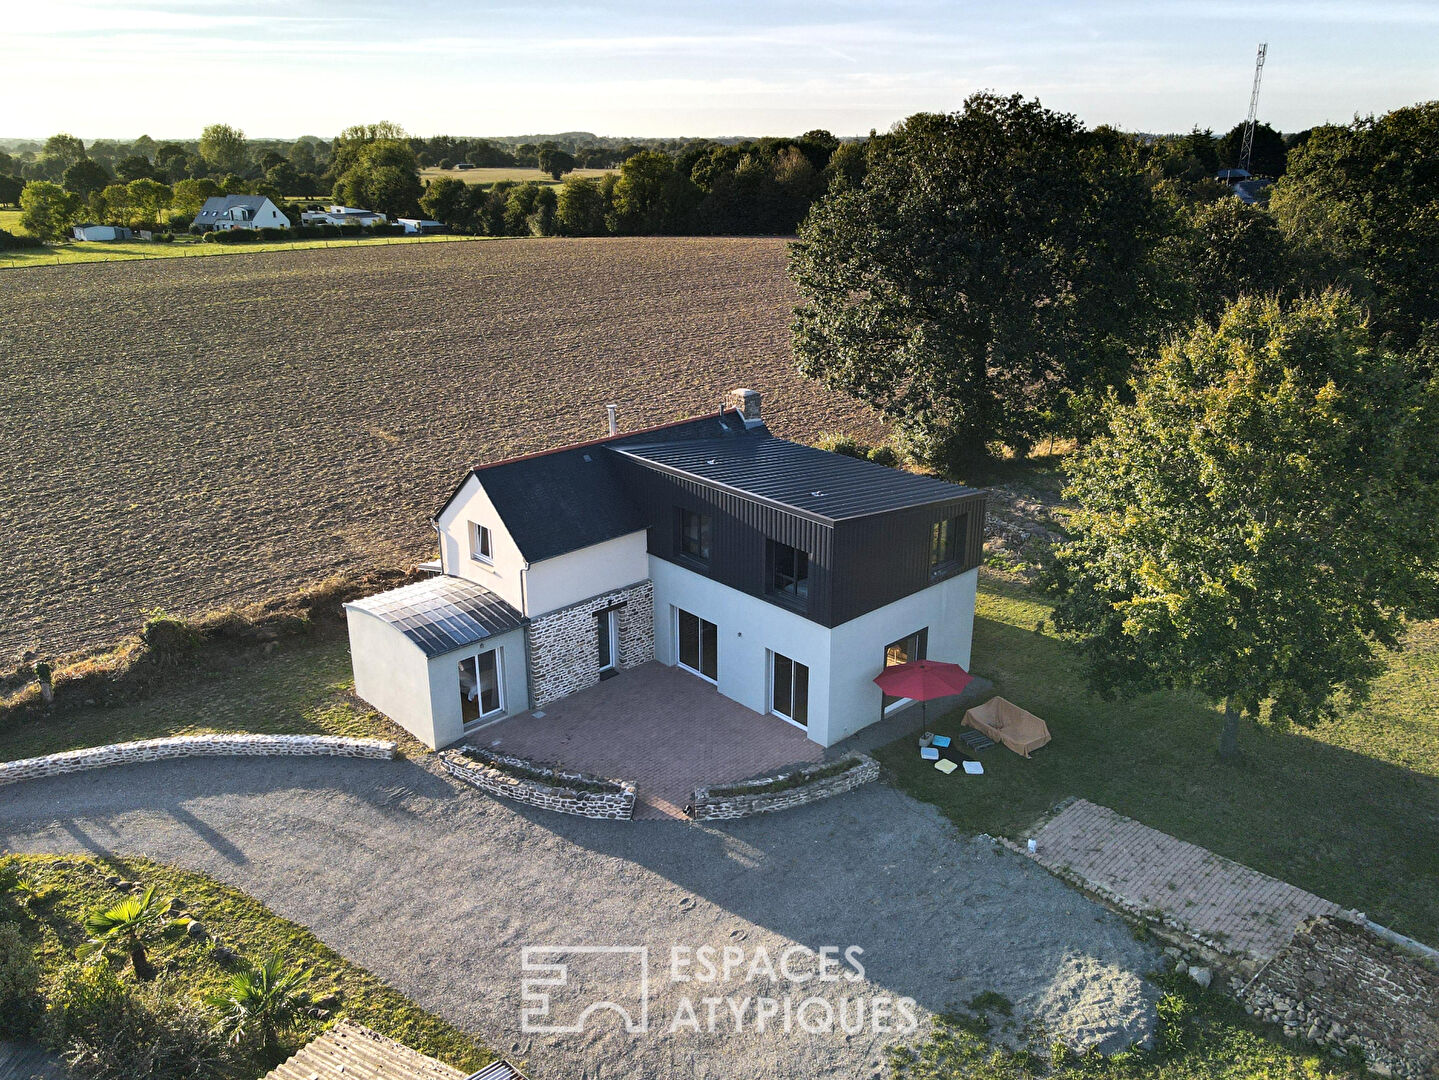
point(163, 238)
point(180, 222)
point(885, 454)
point(11, 242)
point(232, 236)
point(107, 1029)
point(270, 232)
point(837, 443)
point(19, 984)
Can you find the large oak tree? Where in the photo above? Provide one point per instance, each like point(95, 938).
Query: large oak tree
point(1260, 522)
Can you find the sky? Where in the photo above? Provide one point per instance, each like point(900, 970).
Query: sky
point(285, 68)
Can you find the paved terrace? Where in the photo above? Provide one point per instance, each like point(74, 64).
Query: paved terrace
point(1238, 910)
point(665, 729)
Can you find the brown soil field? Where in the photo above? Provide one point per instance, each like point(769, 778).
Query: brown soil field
point(193, 433)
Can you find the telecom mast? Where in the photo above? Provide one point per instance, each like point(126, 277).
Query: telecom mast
point(1248, 144)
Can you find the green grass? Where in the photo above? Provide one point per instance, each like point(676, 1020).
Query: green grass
point(485, 177)
point(1349, 810)
point(71, 887)
point(1202, 1036)
point(188, 246)
point(301, 688)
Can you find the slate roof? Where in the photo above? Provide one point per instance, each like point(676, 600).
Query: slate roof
point(216, 206)
point(831, 487)
point(441, 614)
point(559, 501)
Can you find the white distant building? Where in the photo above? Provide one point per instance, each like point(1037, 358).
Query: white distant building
point(224, 212)
point(420, 225)
point(342, 215)
point(90, 231)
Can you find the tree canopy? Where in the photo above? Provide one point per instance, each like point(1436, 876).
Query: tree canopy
point(1261, 519)
point(989, 267)
point(48, 210)
point(1267, 156)
point(224, 148)
point(384, 176)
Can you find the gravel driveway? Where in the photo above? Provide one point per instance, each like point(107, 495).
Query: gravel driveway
point(437, 890)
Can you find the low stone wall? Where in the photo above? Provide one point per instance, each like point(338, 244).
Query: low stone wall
point(711, 807)
point(615, 803)
point(1338, 985)
point(180, 746)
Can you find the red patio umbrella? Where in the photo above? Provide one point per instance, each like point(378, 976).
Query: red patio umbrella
point(923, 680)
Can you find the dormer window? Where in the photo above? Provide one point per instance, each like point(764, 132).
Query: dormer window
point(482, 543)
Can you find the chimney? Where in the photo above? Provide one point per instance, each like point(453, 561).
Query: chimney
point(746, 403)
point(610, 412)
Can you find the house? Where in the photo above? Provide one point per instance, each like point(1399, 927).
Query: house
point(342, 215)
point(90, 231)
point(223, 212)
point(465, 166)
point(420, 225)
point(785, 576)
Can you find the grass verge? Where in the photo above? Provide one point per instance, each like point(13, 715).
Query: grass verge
point(71, 887)
point(1201, 1036)
point(1348, 810)
point(187, 247)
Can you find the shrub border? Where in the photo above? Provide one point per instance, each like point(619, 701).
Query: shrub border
point(782, 791)
point(542, 786)
point(181, 746)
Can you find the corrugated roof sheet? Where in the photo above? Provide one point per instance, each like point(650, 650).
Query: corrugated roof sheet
point(351, 1051)
point(828, 486)
point(442, 614)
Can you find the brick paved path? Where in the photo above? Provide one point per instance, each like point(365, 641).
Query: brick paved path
point(661, 727)
point(1226, 905)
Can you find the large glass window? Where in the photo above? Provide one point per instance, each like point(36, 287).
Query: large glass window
point(789, 571)
point(904, 651)
point(699, 650)
point(946, 542)
point(481, 695)
point(694, 530)
point(789, 689)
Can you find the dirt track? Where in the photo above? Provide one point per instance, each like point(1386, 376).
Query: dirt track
point(187, 433)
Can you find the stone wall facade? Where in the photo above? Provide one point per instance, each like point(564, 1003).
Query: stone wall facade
point(564, 648)
point(193, 746)
point(711, 807)
point(1339, 985)
point(616, 803)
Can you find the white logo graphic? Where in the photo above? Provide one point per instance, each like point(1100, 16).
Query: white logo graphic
point(552, 995)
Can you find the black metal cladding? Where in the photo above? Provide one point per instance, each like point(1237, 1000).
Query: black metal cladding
point(855, 565)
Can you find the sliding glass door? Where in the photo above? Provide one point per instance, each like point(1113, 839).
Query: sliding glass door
point(698, 651)
point(904, 651)
point(481, 694)
point(789, 689)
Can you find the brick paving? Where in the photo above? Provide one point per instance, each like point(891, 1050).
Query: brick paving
point(661, 727)
point(1221, 902)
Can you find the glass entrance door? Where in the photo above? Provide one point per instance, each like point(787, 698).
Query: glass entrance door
point(789, 690)
point(607, 628)
point(481, 694)
point(699, 651)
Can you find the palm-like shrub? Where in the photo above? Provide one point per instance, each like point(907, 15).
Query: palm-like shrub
point(125, 928)
point(261, 1001)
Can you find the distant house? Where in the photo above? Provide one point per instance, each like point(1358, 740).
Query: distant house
point(342, 215)
point(225, 212)
point(465, 166)
point(91, 231)
point(420, 225)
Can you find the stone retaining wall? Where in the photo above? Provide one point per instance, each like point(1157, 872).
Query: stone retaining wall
point(710, 807)
point(616, 803)
point(193, 746)
point(1338, 985)
point(564, 644)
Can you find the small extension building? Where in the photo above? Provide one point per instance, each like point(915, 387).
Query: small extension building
point(786, 576)
point(91, 231)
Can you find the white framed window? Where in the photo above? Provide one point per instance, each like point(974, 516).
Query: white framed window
point(482, 543)
point(482, 692)
point(698, 648)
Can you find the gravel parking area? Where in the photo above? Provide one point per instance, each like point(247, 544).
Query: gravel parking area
point(438, 890)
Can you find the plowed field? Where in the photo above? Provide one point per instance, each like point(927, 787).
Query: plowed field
point(194, 432)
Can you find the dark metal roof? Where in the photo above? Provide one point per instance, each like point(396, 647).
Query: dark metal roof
point(814, 482)
point(442, 614)
point(559, 501)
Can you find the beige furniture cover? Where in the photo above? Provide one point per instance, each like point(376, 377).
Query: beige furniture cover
point(1005, 722)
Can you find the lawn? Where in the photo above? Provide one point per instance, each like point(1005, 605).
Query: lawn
point(1349, 810)
point(186, 246)
point(71, 887)
point(485, 177)
point(302, 688)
